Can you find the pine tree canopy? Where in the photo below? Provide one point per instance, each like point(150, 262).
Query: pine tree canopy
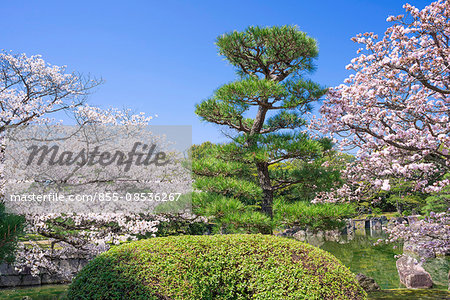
point(266, 107)
point(273, 52)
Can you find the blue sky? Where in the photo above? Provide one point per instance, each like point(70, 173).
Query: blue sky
point(159, 56)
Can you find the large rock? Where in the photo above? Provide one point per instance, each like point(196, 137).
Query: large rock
point(315, 238)
point(288, 232)
point(367, 283)
point(300, 235)
point(400, 220)
point(412, 275)
point(412, 219)
point(332, 235)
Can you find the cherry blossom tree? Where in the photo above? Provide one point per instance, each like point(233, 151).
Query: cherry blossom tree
point(395, 107)
point(30, 91)
point(429, 237)
point(31, 88)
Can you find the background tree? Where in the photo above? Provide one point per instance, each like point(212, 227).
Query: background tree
point(320, 175)
point(395, 108)
point(30, 91)
point(266, 108)
point(438, 201)
point(401, 197)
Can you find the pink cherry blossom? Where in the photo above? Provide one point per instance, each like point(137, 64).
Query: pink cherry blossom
point(395, 108)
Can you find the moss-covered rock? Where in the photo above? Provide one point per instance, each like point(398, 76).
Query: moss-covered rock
point(216, 267)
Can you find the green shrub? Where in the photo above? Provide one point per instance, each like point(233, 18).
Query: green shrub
point(315, 216)
point(11, 227)
point(215, 267)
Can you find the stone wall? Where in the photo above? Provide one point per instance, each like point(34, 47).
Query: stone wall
point(67, 269)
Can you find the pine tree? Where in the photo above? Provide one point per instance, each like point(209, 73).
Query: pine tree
point(266, 108)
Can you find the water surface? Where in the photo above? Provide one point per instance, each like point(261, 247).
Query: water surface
point(357, 252)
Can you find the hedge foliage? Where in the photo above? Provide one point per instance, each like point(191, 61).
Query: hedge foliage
point(215, 267)
point(11, 227)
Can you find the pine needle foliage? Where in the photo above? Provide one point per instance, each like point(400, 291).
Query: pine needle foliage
point(266, 109)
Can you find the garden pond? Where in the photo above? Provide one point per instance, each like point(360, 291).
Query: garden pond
point(356, 252)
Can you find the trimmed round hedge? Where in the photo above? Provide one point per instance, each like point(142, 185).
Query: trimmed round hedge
point(215, 267)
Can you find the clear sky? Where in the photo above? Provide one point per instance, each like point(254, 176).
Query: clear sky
point(159, 56)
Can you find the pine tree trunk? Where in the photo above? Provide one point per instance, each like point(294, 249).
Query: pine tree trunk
point(266, 186)
point(263, 167)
